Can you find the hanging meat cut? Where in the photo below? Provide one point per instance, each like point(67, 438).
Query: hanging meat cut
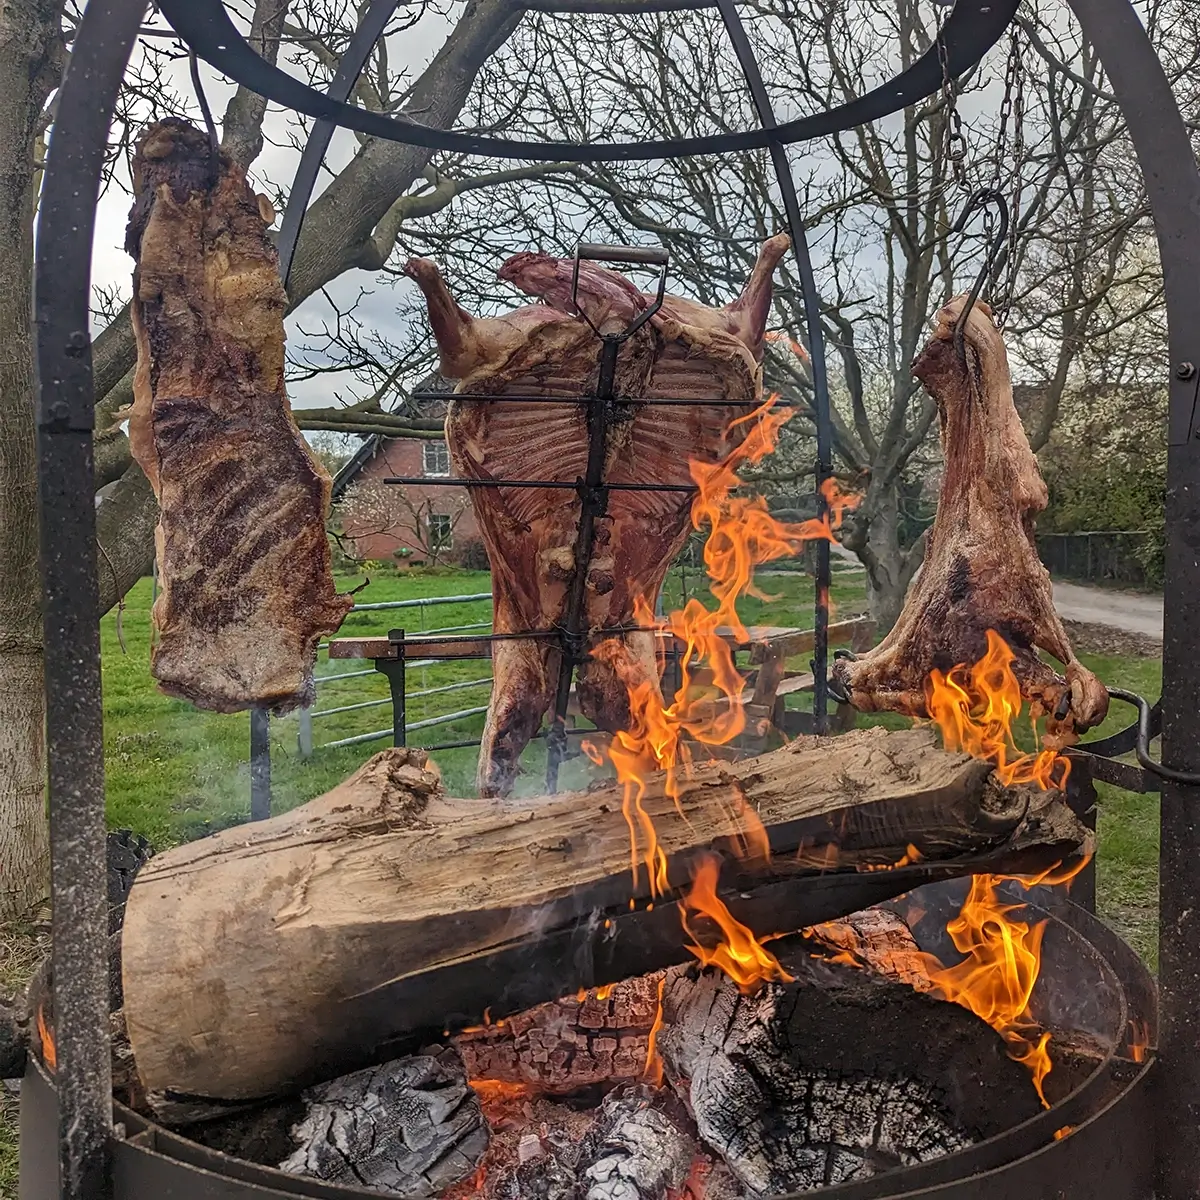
point(243, 560)
point(981, 569)
point(544, 353)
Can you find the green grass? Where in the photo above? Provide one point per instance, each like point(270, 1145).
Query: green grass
point(175, 773)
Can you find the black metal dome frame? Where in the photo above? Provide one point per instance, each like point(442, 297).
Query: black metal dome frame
point(87, 99)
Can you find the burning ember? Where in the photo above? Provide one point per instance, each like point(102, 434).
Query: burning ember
point(975, 707)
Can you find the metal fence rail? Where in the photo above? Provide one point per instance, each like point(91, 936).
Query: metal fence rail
point(307, 716)
point(1130, 557)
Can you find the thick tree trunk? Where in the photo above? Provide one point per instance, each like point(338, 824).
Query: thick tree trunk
point(317, 940)
point(30, 60)
point(889, 570)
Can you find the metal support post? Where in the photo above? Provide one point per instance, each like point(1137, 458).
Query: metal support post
point(260, 764)
point(394, 671)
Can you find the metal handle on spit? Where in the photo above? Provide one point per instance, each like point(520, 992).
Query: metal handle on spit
point(648, 256)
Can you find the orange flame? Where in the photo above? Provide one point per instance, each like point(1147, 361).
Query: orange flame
point(975, 706)
point(653, 1069)
point(742, 536)
point(996, 977)
point(49, 1056)
point(1139, 1040)
point(739, 954)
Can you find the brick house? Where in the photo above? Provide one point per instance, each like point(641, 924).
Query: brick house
point(415, 524)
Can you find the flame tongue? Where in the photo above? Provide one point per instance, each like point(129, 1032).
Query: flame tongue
point(975, 707)
point(995, 979)
point(739, 954)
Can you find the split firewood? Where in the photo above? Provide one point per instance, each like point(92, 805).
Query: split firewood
point(411, 1127)
point(244, 569)
point(545, 351)
point(981, 570)
point(357, 926)
point(834, 1077)
point(597, 1037)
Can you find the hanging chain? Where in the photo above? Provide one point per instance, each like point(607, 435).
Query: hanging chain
point(1012, 113)
point(956, 142)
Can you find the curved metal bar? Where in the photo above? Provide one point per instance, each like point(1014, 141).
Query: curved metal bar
point(972, 28)
point(980, 199)
point(1169, 167)
point(349, 68)
point(816, 340)
point(71, 593)
point(1145, 734)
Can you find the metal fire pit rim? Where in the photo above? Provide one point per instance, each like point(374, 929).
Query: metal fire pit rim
point(1095, 1099)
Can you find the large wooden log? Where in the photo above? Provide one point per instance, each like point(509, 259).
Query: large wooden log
point(270, 956)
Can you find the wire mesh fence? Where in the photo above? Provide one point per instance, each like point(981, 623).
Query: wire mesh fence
point(1130, 558)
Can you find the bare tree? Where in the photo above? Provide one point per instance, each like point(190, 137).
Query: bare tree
point(422, 526)
point(879, 202)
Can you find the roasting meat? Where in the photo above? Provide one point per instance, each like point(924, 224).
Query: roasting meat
point(243, 561)
point(545, 350)
point(981, 567)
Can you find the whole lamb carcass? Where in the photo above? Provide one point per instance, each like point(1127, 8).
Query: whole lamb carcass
point(547, 352)
point(981, 569)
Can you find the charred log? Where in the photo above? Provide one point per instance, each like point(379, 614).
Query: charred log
point(338, 934)
point(835, 1077)
point(412, 1127)
point(598, 1037)
point(981, 570)
point(244, 563)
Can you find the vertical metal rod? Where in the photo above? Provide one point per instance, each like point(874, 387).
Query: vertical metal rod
point(260, 764)
point(349, 68)
point(816, 346)
point(395, 670)
point(1169, 167)
point(590, 504)
point(71, 594)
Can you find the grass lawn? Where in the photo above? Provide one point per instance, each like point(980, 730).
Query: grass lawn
point(175, 773)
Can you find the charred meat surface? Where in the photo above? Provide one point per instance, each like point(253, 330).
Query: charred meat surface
point(548, 353)
point(981, 569)
point(243, 560)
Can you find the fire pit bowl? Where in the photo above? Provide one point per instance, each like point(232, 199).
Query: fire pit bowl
point(1093, 993)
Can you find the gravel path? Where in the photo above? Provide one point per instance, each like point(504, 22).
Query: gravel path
point(1131, 612)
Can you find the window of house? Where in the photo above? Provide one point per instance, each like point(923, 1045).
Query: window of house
point(436, 458)
point(441, 531)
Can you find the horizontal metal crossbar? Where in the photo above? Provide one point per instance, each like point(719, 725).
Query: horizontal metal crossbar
point(666, 401)
point(562, 484)
point(423, 602)
point(428, 723)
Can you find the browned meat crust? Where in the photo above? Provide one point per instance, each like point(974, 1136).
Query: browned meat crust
point(981, 568)
point(546, 350)
point(243, 559)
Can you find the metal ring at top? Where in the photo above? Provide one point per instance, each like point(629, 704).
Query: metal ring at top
point(972, 28)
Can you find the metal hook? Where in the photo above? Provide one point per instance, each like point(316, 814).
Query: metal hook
point(981, 199)
point(214, 141)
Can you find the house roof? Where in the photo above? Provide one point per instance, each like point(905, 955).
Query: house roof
point(429, 401)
